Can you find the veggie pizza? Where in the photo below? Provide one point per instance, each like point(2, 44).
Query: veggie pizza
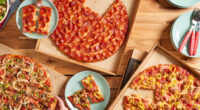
point(174, 87)
point(24, 84)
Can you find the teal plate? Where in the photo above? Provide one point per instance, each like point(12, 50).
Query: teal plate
point(178, 32)
point(53, 23)
point(183, 3)
point(74, 84)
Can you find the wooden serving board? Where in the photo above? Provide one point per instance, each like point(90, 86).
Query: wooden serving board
point(110, 65)
point(58, 80)
point(157, 55)
point(153, 23)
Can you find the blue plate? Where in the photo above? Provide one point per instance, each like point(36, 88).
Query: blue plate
point(183, 3)
point(74, 84)
point(53, 23)
point(178, 32)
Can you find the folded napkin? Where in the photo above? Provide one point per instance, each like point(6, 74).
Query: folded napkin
point(13, 6)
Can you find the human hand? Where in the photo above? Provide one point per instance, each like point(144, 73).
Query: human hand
point(39, 3)
point(60, 104)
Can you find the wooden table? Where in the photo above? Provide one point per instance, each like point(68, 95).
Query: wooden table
point(12, 37)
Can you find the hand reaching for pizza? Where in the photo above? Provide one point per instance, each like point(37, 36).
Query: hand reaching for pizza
point(60, 104)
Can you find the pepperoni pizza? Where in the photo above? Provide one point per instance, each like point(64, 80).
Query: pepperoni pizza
point(85, 36)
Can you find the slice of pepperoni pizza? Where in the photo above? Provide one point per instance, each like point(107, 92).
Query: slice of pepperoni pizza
point(44, 20)
point(29, 18)
point(93, 90)
point(80, 100)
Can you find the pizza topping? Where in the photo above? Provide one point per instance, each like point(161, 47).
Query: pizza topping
point(179, 105)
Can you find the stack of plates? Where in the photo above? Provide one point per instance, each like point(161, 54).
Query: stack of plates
point(183, 3)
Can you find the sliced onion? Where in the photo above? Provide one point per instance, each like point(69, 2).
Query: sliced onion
point(14, 83)
point(26, 100)
point(19, 73)
point(19, 80)
point(1, 82)
point(10, 107)
point(4, 60)
point(22, 80)
point(34, 81)
point(19, 106)
point(32, 66)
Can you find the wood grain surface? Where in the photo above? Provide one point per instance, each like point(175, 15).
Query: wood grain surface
point(152, 24)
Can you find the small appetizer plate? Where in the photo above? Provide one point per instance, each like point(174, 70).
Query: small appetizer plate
point(74, 84)
point(183, 3)
point(53, 22)
point(178, 32)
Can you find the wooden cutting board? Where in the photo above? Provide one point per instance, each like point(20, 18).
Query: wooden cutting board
point(58, 80)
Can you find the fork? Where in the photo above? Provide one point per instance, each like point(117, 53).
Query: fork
point(196, 43)
point(191, 31)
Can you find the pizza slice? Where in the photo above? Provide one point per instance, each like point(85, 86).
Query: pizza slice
point(80, 100)
point(44, 20)
point(29, 18)
point(93, 90)
point(135, 102)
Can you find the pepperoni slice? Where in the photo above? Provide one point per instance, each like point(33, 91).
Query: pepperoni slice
point(29, 17)
point(43, 11)
point(26, 29)
point(31, 23)
point(25, 11)
point(1, 71)
point(31, 9)
point(72, 3)
point(25, 21)
point(39, 31)
point(42, 24)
